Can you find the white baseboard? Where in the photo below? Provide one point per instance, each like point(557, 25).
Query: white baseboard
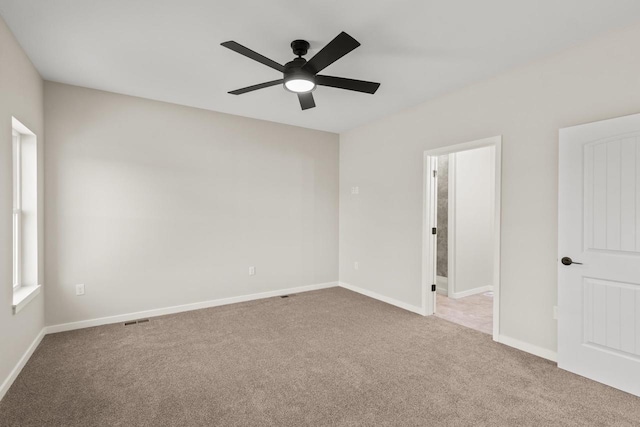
point(528, 348)
point(379, 297)
point(470, 292)
point(442, 285)
point(511, 342)
point(181, 308)
point(23, 361)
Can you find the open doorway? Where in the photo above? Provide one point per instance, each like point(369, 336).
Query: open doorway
point(462, 216)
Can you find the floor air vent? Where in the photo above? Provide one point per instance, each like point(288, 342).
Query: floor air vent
point(135, 322)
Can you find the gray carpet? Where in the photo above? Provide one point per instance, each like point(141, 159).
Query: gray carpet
point(329, 357)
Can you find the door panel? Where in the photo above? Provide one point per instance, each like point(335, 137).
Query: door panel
point(611, 309)
point(599, 226)
point(611, 189)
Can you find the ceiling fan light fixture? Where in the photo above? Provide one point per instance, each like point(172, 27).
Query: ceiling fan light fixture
point(299, 85)
point(301, 77)
point(296, 79)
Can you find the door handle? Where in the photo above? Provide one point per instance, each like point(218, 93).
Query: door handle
point(568, 261)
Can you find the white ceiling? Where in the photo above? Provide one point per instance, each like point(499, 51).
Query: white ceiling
point(170, 50)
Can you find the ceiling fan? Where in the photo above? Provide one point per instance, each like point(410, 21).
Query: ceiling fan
point(301, 76)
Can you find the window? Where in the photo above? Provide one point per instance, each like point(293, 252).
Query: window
point(25, 215)
point(17, 213)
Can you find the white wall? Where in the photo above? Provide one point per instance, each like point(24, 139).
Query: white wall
point(473, 177)
point(152, 205)
point(21, 96)
point(381, 227)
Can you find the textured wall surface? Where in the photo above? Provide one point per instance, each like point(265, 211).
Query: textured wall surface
point(443, 216)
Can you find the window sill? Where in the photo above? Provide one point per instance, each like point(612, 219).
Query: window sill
point(23, 295)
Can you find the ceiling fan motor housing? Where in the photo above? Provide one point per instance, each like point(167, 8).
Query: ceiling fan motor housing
point(293, 71)
point(300, 47)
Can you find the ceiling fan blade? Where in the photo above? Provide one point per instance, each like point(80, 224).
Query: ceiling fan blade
point(256, 87)
point(237, 47)
point(306, 100)
point(336, 49)
point(348, 84)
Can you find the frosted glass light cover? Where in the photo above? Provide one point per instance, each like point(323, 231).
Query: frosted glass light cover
point(299, 85)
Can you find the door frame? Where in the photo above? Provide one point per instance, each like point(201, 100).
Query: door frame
point(429, 216)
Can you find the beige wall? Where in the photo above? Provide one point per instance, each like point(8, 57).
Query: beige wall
point(152, 205)
point(21, 97)
point(473, 176)
point(382, 226)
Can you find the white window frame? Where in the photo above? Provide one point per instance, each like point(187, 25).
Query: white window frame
point(25, 245)
point(17, 210)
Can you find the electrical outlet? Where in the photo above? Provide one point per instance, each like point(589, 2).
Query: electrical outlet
point(252, 271)
point(356, 265)
point(80, 289)
point(555, 312)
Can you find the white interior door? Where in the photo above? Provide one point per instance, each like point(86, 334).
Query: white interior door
point(599, 226)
